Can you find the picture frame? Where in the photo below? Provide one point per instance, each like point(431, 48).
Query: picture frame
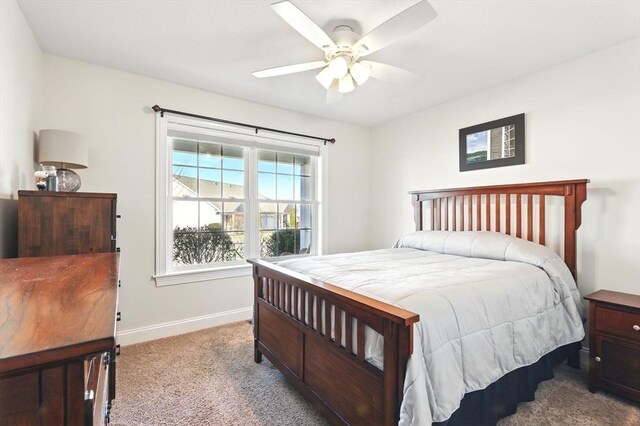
point(495, 143)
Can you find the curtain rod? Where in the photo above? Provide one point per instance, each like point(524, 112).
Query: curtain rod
point(161, 110)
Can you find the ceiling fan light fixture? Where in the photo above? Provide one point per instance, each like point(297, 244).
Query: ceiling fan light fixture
point(325, 77)
point(345, 85)
point(338, 67)
point(360, 73)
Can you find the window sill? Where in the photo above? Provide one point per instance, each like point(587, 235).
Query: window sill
point(188, 277)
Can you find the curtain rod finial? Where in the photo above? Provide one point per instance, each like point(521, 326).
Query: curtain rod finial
point(156, 108)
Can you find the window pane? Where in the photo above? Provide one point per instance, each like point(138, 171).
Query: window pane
point(286, 216)
point(283, 242)
point(233, 216)
point(184, 181)
point(302, 188)
point(210, 216)
point(267, 185)
point(210, 155)
point(303, 216)
point(185, 152)
point(210, 183)
point(268, 216)
point(304, 242)
point(232, 157)
point(236, 252)
point(185, 248)
point(268, 244)
point(233, 186)
point(302, 165)
point(285, 163)
point(266, 161)
point(185, 216)
point(217, 246)
point(285, 187)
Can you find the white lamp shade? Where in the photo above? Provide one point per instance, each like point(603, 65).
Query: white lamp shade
point(325, 78)
point(338, 67)
point(360, 73)
point(345, 85)
point(62, 149)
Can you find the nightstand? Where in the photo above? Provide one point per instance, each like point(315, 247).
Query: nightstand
point(614, 343)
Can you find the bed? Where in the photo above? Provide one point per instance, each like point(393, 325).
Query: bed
point(343, 333)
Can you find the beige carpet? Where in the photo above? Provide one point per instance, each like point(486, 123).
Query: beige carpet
point(209, 378)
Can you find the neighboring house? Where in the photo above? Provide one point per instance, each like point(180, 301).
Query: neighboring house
point(186, 214)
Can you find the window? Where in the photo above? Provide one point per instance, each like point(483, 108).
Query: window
point(225, 195)
point(285, 203)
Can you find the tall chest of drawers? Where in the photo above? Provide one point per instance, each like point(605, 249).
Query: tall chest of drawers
point(614, 343)
point(59, 223)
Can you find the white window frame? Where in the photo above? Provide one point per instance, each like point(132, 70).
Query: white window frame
point(165, 273)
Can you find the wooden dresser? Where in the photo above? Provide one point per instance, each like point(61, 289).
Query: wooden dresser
point(57, 223)
point(614, 343)
point(57, 337)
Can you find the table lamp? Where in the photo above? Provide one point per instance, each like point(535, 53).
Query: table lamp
point(65, 151)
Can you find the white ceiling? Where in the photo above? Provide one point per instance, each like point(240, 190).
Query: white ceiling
point(215, 45)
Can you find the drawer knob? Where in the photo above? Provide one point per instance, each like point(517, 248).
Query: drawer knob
point(598, 359)
point(636, 327)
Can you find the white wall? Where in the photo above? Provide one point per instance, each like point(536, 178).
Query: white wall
point(20, 93)
point(112, 108)
point(582, 121)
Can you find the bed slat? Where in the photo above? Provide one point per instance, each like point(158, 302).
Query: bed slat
point(530, 217)
point(287, 298)
point(303, 307)
point(518, 216)
point(497, 209)
point(487, 212)
point(507, 213)
point(338, 326)
point(542, 224)
point(478, 213)
point(360, 340)
point(348, 332)
point(327, 320)
point(446, 213)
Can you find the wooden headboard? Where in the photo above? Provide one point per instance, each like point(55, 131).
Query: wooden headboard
point(492, 208)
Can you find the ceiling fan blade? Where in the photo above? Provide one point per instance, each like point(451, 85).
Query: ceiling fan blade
point(395, 28)
point(302, 24)
point(333, 95)
point(289, 69)
point(392, 74)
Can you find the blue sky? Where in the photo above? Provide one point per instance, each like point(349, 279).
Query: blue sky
point(477, 142)
point(289, 186)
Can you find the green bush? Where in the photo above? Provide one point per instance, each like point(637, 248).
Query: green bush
point(209, 245)
point(283, 241)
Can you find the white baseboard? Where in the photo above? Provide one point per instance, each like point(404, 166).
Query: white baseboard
point(172, 328)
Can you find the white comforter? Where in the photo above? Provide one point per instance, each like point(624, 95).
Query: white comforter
point(489, 303)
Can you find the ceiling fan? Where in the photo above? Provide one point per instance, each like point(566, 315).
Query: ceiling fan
point(343, 49)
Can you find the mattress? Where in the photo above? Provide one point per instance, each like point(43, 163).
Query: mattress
point(488, 303)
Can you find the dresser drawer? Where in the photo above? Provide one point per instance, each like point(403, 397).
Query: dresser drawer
point(618, 366)
point(617, 322)
point(96, 389)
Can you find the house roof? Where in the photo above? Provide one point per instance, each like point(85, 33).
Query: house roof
point(188, 187)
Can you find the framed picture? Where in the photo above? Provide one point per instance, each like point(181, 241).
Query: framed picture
point(493, 144)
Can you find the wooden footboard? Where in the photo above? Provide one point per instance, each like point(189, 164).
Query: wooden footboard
point(314, 333)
